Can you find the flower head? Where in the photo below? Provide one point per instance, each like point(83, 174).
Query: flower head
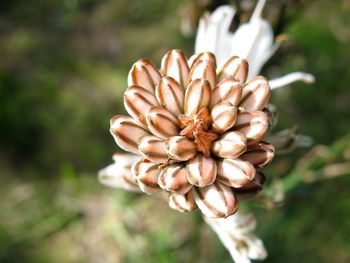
point(197, 129)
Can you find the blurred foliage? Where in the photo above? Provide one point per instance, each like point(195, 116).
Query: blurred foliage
point(63, 67)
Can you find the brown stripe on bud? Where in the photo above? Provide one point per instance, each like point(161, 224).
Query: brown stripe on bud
point(182, 203)
point(138, 101)
point(255, 94)
point(253, 125)
point(146, 174)
point(127, 132)
point(174, 178)
point(203, 69)
point(161, 122)
point(235, 67)
point(170, 95)
point(174, 64)
point(202, 56)
point(259, 155)
point(271, 112)
point(223, 117)
point(230, 145)
point(197, 96)
point(227, 90)
point(251, 188)
point(235, 172)
point(201, 170)
point(153, 149)
point(216, 200)
point(144, 74)
point(181, 148)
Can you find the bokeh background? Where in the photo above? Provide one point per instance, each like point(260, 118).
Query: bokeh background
point(63, 68)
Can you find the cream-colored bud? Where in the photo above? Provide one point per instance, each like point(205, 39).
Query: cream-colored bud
point(181, 148)
point(174, 64)
point(161, 122)
point(182, 203)
point(251, 188)
point(259, 155)
point(203, 69)
point(227, 90)
point(197, 96)
point(201, 170)
point(127, 132)
point(170, 95)
point(255, 94)
point(223, 116)
point(153, 149)
point(174, 178)
point(146, 174)
point(230, 145)
point(235, 172)
point(144, 74)
point(235, 67)
point(216, 200)
point(202, 56)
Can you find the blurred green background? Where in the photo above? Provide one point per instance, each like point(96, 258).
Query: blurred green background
point(63, 68)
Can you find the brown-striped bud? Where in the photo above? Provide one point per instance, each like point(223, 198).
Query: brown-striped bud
point(146, 174)
point(235, 172)
point(170, 95)
point(153, 149)
point(201, 170)
point(182, 203)
point(205, 70)
point(216, 200)
point(138, 101)
point(197, 96)
point(253, 125)
point(255, 94)
point(174, 178)
point(202, 56)
point(223, 116)
point(143, 73)
point(174, 64)
point(127, 132)
point(259, 155)
point(235, 67)
point(230, 145)
point(227, 90)
point(181, 148)
point(251, 188)
point(161, 122)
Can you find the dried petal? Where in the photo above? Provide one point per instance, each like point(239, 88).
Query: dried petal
point(230, 145)
point(161, 122)
point(203, 69)
point(259, 155)
point(182, 203)
point(181, 148)
point(127, 132)
point(202, 56)
point(235, 172)
point(174, 178)
point(153, 149)
point(147, 174)
point(144, 74)
point(253, 125)
point(216, 200)
point(170, 95)
point(256, 94)
point(227, 90)
point(201, 170)
point(223, 116)
point(174, 64)
point(138, 101)
point(197, 96)
point(252, 187)
point(235, 67)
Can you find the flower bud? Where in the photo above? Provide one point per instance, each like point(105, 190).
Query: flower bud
point(201, 170)
point(174, 64)
point(205, 70)
point(138, 101)
point(144, 74)
point(127, 132)
point(182, 203)
point(259, 155)
point(181, 148)
point(170, 95)
point(174, 178)
point(161, 122)
point(202, 56)
point(153, 149)
point(255, 94)
point(223, 116)
point(227, 90)
point(235, 67)
point(230, 145)
point(146, 174)
point(251, 188)
point(197, 96)
point(235, 172)
point(216, 200)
